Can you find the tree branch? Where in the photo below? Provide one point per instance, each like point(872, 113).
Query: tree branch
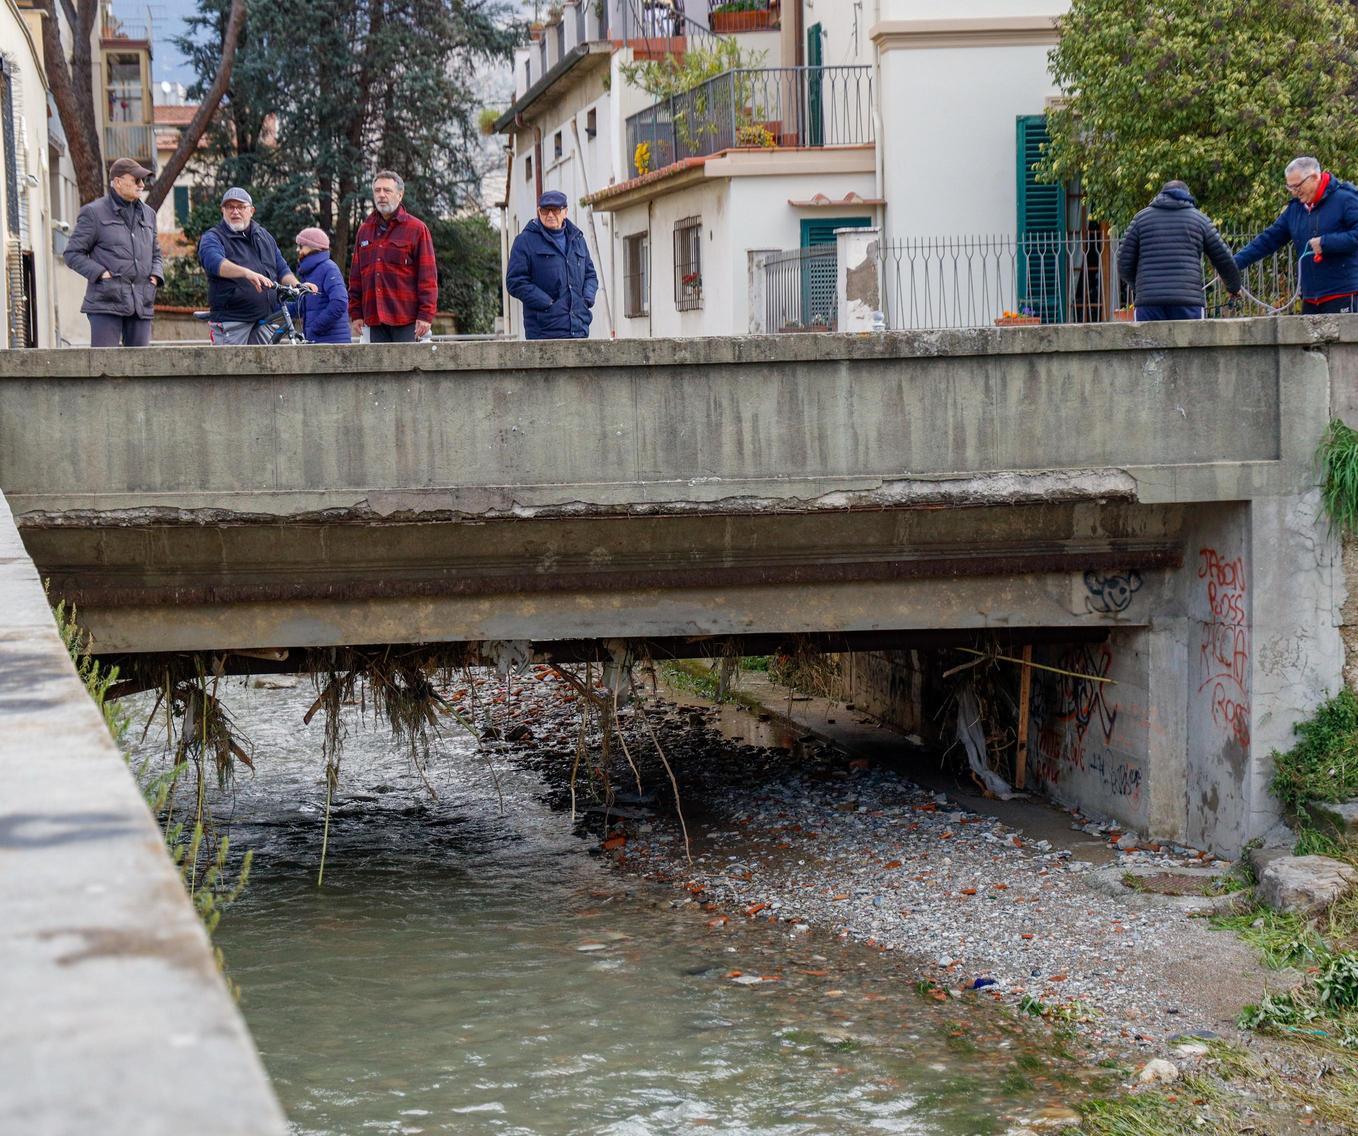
point(75, 112)
point(193, 133)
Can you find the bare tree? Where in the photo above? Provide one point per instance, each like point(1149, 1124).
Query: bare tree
point(72, 84)
point(188, 139)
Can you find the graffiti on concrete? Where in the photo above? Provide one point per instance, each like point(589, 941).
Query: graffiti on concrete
point(1066, 706)
point(1224, 644)
point(1111, 592)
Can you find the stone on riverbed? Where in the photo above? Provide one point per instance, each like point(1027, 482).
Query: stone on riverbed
point(1304, 885)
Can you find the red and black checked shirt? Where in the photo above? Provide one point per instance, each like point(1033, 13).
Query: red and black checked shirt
point(393, 279)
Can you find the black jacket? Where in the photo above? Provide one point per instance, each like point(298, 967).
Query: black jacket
point(1162, 249)
point(231, 298)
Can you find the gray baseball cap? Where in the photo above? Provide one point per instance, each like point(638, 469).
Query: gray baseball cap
point(235, 193)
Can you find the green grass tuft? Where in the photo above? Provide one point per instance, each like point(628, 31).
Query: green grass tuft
point(1323, 765)
point(1337, 460)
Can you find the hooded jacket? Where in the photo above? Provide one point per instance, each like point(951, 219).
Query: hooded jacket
point(1333, 217)
point(325, 315)
point(557, 289)
point(1162, 250)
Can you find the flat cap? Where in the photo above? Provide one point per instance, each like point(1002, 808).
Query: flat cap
point(128, 166)
point(552, 199)
point(235, 193)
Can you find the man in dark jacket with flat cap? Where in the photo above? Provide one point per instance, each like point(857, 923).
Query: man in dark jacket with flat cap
point(114, 247)
point(1161, 255)
point(551, 272)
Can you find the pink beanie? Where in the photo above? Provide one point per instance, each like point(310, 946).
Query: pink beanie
point(314, 238)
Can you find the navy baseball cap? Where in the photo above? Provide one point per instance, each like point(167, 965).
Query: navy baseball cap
point(552, 199)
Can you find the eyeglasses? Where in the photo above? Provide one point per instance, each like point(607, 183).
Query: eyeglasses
point(235, 206)
point(552, 208)
point(1294, 186)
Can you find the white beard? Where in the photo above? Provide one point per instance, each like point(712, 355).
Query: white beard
point(238, 226)
point(386, 210)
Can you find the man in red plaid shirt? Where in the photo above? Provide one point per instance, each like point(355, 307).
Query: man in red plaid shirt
point(393, 280)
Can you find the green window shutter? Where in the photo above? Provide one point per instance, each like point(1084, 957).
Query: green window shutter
point(181, 205)
point(1042, 261)
point(815, 110)
point(818, 272)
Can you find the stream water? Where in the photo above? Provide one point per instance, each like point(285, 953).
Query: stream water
point(469, 966)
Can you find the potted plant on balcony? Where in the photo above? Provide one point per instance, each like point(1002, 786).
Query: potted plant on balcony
point(741, 16)
point(755, 135)
point(1024, 317)
point(692, 283)
point(817, 322)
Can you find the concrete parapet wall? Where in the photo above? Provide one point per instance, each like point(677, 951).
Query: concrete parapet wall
point(1190, 411)
point(114, 1020)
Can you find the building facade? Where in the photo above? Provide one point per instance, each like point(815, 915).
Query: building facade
point(715, 211)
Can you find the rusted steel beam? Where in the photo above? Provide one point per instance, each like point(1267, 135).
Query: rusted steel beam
point(85, 587)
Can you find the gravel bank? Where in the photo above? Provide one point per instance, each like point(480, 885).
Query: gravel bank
point(814, 836)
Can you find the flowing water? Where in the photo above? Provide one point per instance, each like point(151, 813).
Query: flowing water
point(469, 967)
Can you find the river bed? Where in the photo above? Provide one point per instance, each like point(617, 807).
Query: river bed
point(470, 965)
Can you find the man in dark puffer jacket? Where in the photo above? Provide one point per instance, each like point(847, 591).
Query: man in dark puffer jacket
point(1161, 255)
point(1321, 221)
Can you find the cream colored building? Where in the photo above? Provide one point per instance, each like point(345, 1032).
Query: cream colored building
point(675, 195)
point(28, 316)
point(910, 119)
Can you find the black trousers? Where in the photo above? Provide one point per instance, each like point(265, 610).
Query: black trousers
point(118, 331)
point(386, 333)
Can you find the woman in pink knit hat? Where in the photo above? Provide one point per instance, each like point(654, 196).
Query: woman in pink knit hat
point(325, 312)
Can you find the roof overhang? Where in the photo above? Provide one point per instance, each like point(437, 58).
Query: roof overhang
point(755, 162)
point(980, 31)
point(581, 61)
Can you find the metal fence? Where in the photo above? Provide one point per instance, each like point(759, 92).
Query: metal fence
point(764, 107)
point(800, 292)
point(972, 281)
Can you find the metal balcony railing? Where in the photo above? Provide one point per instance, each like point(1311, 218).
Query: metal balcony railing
point(763, 108)
point(131, 140)
point(974, 281)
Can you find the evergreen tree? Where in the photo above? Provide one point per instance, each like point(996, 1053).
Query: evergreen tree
point(326, 93)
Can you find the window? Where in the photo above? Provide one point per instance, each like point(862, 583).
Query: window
point(528, 168)
point(556, 145)
point(125, 89)
point(181, 205)
point(636, 267)
point(688, 264)
point(591, 122)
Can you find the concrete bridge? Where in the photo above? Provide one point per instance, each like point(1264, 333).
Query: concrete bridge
point(1140, 499)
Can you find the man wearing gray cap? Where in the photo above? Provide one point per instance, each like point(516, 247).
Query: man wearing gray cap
point(242, 262)
point(550, 272)
point(114, 248)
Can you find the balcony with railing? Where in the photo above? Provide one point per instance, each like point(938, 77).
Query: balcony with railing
point(760, 108)
point(984, 280)
point(131, 140)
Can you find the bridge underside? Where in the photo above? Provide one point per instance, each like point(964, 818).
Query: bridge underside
point(668, 579)
point(1136, 503)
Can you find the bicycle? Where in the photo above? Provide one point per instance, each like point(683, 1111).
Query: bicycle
point(276, 328)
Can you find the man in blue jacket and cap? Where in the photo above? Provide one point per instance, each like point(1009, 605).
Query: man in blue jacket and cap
point(551, 273)
point(1321, 221)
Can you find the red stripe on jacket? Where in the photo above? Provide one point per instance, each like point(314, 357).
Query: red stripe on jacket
point(393, 278)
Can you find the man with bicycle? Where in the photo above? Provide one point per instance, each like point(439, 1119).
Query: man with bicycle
point(243, 263)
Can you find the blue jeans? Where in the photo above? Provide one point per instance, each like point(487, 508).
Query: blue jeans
point(1167, 312)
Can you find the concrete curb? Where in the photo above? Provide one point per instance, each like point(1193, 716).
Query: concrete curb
point(115, 1019)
